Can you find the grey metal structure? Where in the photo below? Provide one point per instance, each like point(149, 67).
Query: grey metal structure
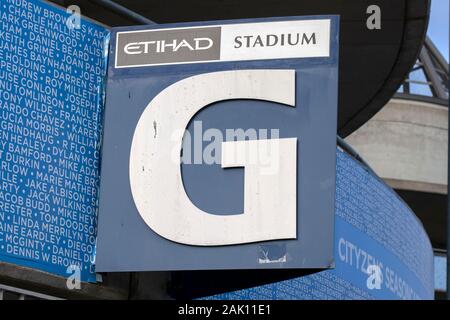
point(13, 293)
point(429, 77)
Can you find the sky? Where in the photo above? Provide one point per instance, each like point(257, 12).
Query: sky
point(438, 27)
point(438, 32)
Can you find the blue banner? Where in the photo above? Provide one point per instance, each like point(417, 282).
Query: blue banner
point(377, 239)
point(52, 74)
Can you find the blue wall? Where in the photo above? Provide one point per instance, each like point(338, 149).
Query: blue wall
point(51, 109)
point(373, 226)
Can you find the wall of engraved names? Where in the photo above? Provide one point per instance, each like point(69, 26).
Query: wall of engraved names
point(51, 97)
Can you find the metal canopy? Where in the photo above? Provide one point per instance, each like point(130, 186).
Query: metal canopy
point(428, 80)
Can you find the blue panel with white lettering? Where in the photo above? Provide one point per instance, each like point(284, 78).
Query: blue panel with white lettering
point(188, 106)
point(381, 248)
point(52, 74)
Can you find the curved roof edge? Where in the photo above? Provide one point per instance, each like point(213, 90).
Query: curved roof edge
point(414, 33)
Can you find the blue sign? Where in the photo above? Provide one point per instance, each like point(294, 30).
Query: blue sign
point(188, 107)
point(381, 249)
point(52, 74)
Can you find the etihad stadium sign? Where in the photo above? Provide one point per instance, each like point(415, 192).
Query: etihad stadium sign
point(267, 200)
point(228, 42)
